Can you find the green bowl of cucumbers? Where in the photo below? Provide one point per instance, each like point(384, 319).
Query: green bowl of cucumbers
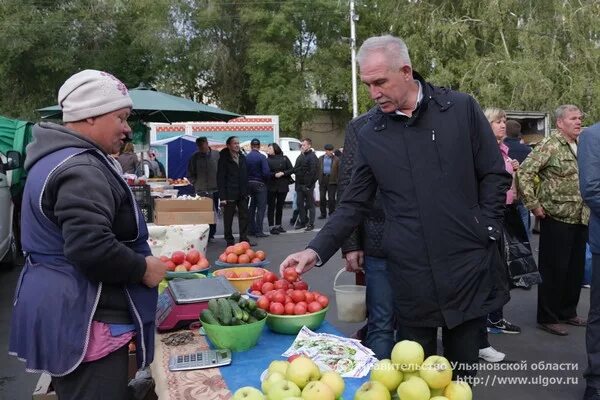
point(233, 323)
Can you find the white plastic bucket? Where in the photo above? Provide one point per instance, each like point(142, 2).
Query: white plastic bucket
point(351, 301)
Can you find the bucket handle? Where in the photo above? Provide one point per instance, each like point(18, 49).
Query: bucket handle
point(338, 275)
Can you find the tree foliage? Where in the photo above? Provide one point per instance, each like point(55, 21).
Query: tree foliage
point(271, 57)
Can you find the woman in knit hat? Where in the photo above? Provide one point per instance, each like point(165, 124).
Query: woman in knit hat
point(88, 286)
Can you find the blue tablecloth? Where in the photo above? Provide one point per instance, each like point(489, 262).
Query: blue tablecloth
point(247, 366)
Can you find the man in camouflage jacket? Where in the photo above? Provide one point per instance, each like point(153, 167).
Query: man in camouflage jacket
point(563, 221)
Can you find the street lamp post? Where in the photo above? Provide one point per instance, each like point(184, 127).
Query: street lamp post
point(353, 19)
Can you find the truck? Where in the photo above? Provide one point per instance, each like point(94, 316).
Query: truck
point(534, 124)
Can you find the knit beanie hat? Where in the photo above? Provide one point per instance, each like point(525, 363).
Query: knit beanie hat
point(90, 93)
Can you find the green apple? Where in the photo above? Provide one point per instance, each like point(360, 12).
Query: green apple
point(334, 381)
point(439, 398)
point(436, 371)
point(408, 355)
point(278, 366)
point(317, 390)
point(414, 389)
point(270, 379)
point(248, 393)
point(372, 390)
point(282, 390)
point(406, 375)
point(458, 390)
point(302, 370)
point(385, 372)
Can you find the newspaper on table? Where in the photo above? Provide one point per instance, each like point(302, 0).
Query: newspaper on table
point(343, 355)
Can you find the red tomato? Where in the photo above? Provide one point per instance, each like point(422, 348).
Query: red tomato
point(270, 295)
point(203, 263)
point(245, 245)
point(256, 293)
point(301, 285)
point(288, 299)
point(261, 254)
point(263, 303)
point(310, 297)
point(170, 265)
point(223, 257)
point(298, 296)
point(269, 277)
point(229, 249)
point(276, 308)
point(187, 265)
point(256, 285)
point(300, 309)
point(279, 297)
point(244, 259)
point(245, 275)
point(178, 257)
point(290, 274)
point(303, 303)
point(255, 260)
point(281, 284)
point(317, 294)
point(289, 308)
point(314, 307)
point(323, 301)
point(289, 292)
point(193, 256)
point(267, 287)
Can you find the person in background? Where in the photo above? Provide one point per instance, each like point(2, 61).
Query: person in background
point(433, 157)
point(363, 251)
point(158, 169)
point(496, 323)
point(202, 173)
point(563, 221)
point(518, 151)
point(306, 170)
point(258, 176)
point(114, 157)
point(329, 166)
point(278, 186)
point(232, 181)
point(588, 161)
point(128, 159)
point(88, 286)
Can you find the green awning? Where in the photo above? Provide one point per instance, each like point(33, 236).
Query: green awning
point(15, 135)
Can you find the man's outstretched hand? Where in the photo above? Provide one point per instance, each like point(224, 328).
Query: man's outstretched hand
point(302, 261)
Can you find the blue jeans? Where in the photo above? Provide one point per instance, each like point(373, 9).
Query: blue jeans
point(592, 333)
point(525, 217)
point(258, 206)
point(380, 308)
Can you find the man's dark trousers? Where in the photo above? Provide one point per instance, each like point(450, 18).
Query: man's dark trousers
point(592, 334)
point(258, 206)
point(306, 204)
point(326, 195)
point(461, 344)
point(561, 265)
point(229, 211)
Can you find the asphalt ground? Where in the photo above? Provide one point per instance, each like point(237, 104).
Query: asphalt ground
point(538, 365)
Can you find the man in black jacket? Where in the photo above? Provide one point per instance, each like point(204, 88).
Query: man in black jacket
point(232, 180)
point(306, 170)
point(432, 154)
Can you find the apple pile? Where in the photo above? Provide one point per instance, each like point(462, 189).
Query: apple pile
point(299, 377)
point(181, 261)
point(412, 377)
point(242, 253)
point(288, 295)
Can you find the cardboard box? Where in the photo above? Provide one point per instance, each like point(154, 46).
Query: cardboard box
point(183, 212)
point(44, 391)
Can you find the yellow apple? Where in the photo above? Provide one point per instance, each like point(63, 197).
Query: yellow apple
point(270, 379)
point(408, 355)
point(439, 398)
point(248, 393)
point(385, 372)
point(302, 370)
point(436, 371)
point(414, 389)
point(282, 390)
point(406, 375)
point(334, 381)
point(279, 366)
point(372, 390)
point(458, 390)
point(437, 392)
point(317, 390)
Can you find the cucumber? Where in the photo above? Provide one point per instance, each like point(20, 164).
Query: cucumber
point(235, 309)
point(251, 319)
point(259, 314)
point(245, 316)
point(243, 303)
point(224, 311)
point(251, 306)
point(208, 317)
point(235, 296)
point(213, 306)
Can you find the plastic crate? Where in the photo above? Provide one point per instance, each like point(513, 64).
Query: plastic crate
point(141, 193)
point(148, 212)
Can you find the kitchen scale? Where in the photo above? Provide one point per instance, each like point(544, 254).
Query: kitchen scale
point(183, 300)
